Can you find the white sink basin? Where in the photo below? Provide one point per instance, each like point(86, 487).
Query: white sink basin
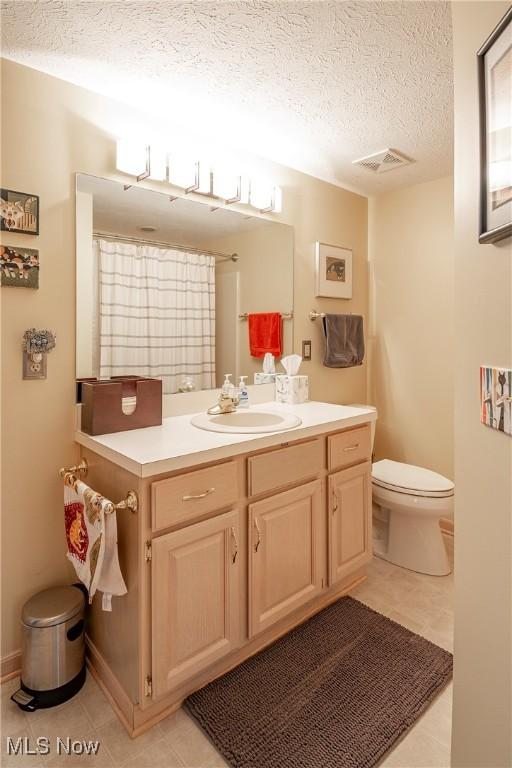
point(246, 422)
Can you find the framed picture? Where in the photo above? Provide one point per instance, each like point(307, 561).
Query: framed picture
point(19, 267)
point(19, 212)
point(333, 271)
point(495, 97)
point(496, 398)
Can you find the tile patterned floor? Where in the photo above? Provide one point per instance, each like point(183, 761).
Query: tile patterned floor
point(421, 603)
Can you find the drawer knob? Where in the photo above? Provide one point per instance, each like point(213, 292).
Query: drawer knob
point(199, 495)
point(351, 447)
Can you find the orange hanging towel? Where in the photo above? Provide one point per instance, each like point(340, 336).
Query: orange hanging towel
point(265, 334)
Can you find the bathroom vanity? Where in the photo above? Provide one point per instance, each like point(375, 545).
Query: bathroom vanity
point(237, 539)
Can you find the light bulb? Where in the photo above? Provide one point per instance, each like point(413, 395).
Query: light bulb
point(205, 185)
point(131, 157)
point(261, 194)
point(183, 171)
point(158, 162)
point(226, 184)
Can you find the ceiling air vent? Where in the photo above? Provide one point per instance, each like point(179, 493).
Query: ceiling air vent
point(383, 161)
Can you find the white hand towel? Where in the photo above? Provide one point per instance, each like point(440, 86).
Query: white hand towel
point(91, 534)
point(84, 514)
point(111, 581)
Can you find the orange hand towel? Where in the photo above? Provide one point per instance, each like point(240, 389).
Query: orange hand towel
point(265, 334)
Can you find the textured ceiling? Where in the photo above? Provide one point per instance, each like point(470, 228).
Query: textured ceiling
point(313, 85)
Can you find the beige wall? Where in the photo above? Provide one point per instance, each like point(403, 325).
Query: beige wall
point(50, 130)
point(411, 268)
point(265, 270)
point(482, 715)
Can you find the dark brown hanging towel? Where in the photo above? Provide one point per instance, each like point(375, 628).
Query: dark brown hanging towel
point(344, 340)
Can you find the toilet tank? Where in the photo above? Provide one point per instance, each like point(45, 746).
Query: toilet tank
point(373, 423)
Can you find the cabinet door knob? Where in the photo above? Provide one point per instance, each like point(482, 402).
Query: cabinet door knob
point(235, 542)
point(199, 495)
point(258, 542)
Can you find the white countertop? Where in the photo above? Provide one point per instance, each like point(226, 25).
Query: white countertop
point(177, 444)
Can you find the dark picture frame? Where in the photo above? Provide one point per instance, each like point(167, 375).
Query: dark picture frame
point(19, 212)
point(19, 267)
point(495, 145)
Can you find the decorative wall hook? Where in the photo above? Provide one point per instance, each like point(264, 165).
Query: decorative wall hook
point(36, 345)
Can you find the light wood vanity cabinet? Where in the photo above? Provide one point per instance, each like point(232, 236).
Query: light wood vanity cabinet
point(195, 611)
point(287, 554)
point(350, 447)
point(350, 521)
point(222, 560)
point(183, 498)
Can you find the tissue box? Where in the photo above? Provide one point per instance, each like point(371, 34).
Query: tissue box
point(292, 389)
point(264, 378)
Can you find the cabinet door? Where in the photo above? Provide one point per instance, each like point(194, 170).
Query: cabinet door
point(350, 521)
point(195, 577)
point(287, 553)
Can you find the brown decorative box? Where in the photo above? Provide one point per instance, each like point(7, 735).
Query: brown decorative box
point(102, 404)
point(79, 383)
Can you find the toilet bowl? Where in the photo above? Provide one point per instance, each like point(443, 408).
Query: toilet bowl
point(407, 505)
point(408, 502)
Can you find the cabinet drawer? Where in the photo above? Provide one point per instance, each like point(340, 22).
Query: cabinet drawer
point(185, 497)
point(285, 466)
point(349, 447)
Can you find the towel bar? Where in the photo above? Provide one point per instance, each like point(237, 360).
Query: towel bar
point(130, 502)
point(79, 469)
point(313, 315)
point(284, 315)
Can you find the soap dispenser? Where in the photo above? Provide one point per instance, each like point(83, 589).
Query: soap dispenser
point(227, 387)
point(244, 394)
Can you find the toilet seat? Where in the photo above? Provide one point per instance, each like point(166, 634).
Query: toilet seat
point(409, 479)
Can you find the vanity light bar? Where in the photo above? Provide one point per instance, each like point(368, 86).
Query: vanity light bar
point(136, 159)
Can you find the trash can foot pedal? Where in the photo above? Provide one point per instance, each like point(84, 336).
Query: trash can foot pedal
point(24, 700)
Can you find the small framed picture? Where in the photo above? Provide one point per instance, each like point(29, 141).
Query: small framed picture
point(496, 398)
point(19, 212)
point(19, 267)
point(495, 97)
point(333, 271)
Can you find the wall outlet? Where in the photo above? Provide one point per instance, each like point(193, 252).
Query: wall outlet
point(306, 349)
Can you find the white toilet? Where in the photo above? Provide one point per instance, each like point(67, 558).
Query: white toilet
point(408, 503)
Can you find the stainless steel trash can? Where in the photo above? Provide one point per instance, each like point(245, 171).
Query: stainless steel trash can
point(53, 648)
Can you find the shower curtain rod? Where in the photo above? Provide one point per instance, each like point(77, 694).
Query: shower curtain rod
point(157, 244)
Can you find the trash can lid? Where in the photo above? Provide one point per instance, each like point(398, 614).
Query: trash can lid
point(53, 606)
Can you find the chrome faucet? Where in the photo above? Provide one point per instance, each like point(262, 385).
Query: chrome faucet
point(226, 404)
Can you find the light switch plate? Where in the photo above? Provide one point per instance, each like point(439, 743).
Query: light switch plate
point(306, 349)
point(496, 398)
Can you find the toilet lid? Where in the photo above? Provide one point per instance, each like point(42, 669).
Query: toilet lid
point(406, 478)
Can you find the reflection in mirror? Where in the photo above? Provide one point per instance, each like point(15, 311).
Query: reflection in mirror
point(163, 284)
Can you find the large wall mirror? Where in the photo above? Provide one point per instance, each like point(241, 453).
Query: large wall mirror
point(164, 285)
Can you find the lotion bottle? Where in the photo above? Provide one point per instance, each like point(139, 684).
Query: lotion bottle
point(244, 394)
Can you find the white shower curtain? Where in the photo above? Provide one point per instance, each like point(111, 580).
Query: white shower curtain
point(156, 313)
